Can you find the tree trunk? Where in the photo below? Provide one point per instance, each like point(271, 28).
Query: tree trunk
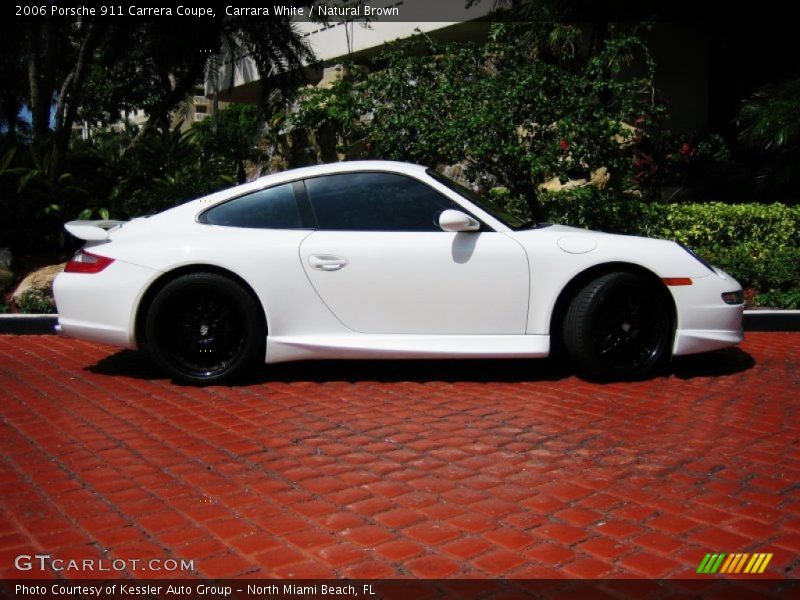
point(42, 49)
point(61, 104)
point(528, 190)
point(39, 124)
point(71, 91)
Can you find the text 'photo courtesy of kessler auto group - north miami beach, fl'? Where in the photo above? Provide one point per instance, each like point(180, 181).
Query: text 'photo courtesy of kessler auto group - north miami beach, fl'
point(475, 299)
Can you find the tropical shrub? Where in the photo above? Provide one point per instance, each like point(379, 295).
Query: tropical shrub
point(231, 137)
point(35, 302)
point(769, 123)
point(37, 191)
point(102, 177)
point(165, 169)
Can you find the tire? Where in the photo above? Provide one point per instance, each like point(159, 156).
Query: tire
point(618, 327)
point(204, 328)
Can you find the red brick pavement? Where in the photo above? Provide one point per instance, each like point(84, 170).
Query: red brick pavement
point(427, 469)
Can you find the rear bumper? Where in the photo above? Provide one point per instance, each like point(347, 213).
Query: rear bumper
point(705, 321)
point(101, 307)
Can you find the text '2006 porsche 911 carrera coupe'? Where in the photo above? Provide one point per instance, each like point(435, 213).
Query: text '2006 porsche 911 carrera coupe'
point(379, 259)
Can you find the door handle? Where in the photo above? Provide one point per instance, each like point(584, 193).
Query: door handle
point(327, 262)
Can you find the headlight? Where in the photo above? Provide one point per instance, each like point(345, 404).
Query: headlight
point(736, 297)
point(696, 257)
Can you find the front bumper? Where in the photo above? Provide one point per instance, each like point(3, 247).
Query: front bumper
point(705, 321)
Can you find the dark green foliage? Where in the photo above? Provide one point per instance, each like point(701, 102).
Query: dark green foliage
point(36, 190)
point(36, 303)
point(770, 119)
point(231, 137)
point(788, 300)
point(717, 225)
point(597, 209)
point(166, 168)
point(769, 123)
point(100, 178)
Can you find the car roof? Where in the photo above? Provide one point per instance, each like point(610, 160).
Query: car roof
point(204, 202)
point(192, 208)
point(342, 167)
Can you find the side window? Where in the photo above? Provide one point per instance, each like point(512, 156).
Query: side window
point(272, 208)
point(375, 202)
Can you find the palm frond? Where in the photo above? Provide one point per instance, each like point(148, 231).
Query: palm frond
point(278, 51)
point(770, 119)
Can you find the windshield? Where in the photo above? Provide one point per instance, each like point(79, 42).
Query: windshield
point(506, 218)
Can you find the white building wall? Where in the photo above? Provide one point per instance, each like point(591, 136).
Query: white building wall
point(338, 41)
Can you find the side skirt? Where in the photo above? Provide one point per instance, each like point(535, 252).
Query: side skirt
point(288, 348)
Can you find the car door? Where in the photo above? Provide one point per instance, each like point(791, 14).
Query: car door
point(382, 265)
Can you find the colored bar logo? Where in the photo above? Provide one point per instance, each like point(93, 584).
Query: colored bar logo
point(734, 563)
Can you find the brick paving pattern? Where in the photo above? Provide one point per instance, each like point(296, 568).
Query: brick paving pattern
point(427, 469)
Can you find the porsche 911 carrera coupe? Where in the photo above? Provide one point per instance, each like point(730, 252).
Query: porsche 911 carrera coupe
point(380, 259)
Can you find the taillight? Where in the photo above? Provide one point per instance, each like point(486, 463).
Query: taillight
point(86, 262)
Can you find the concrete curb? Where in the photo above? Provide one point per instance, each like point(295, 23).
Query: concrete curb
point(28, 324)
point(772, 320)
point(754, 320)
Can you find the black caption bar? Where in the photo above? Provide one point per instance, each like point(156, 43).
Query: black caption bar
point(714, 12)
point(400, 589)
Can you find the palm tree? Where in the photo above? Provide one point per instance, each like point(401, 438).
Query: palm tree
point(100, 66)
point(273, 45)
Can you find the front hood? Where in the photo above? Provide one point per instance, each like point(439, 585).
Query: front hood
point(567, 228)
point(577, 248)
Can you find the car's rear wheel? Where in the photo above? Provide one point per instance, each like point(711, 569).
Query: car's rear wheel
point(204, 328)
point(618, 326)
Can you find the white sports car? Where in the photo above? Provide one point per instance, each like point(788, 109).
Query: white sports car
point(383, 260)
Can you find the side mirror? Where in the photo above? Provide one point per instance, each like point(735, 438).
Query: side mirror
point(455, 220)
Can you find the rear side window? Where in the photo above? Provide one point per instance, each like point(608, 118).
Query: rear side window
point(375, 202)
point(272, 208)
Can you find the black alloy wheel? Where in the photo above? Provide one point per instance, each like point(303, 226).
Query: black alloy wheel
point(618, 327)
point(204, 328)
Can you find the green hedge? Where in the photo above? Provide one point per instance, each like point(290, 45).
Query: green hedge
point(759, 244)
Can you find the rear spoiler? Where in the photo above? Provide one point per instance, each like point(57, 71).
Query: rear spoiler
point(91, 230)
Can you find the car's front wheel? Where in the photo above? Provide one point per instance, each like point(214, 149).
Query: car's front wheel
point(617, 326)
point(204, 328)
